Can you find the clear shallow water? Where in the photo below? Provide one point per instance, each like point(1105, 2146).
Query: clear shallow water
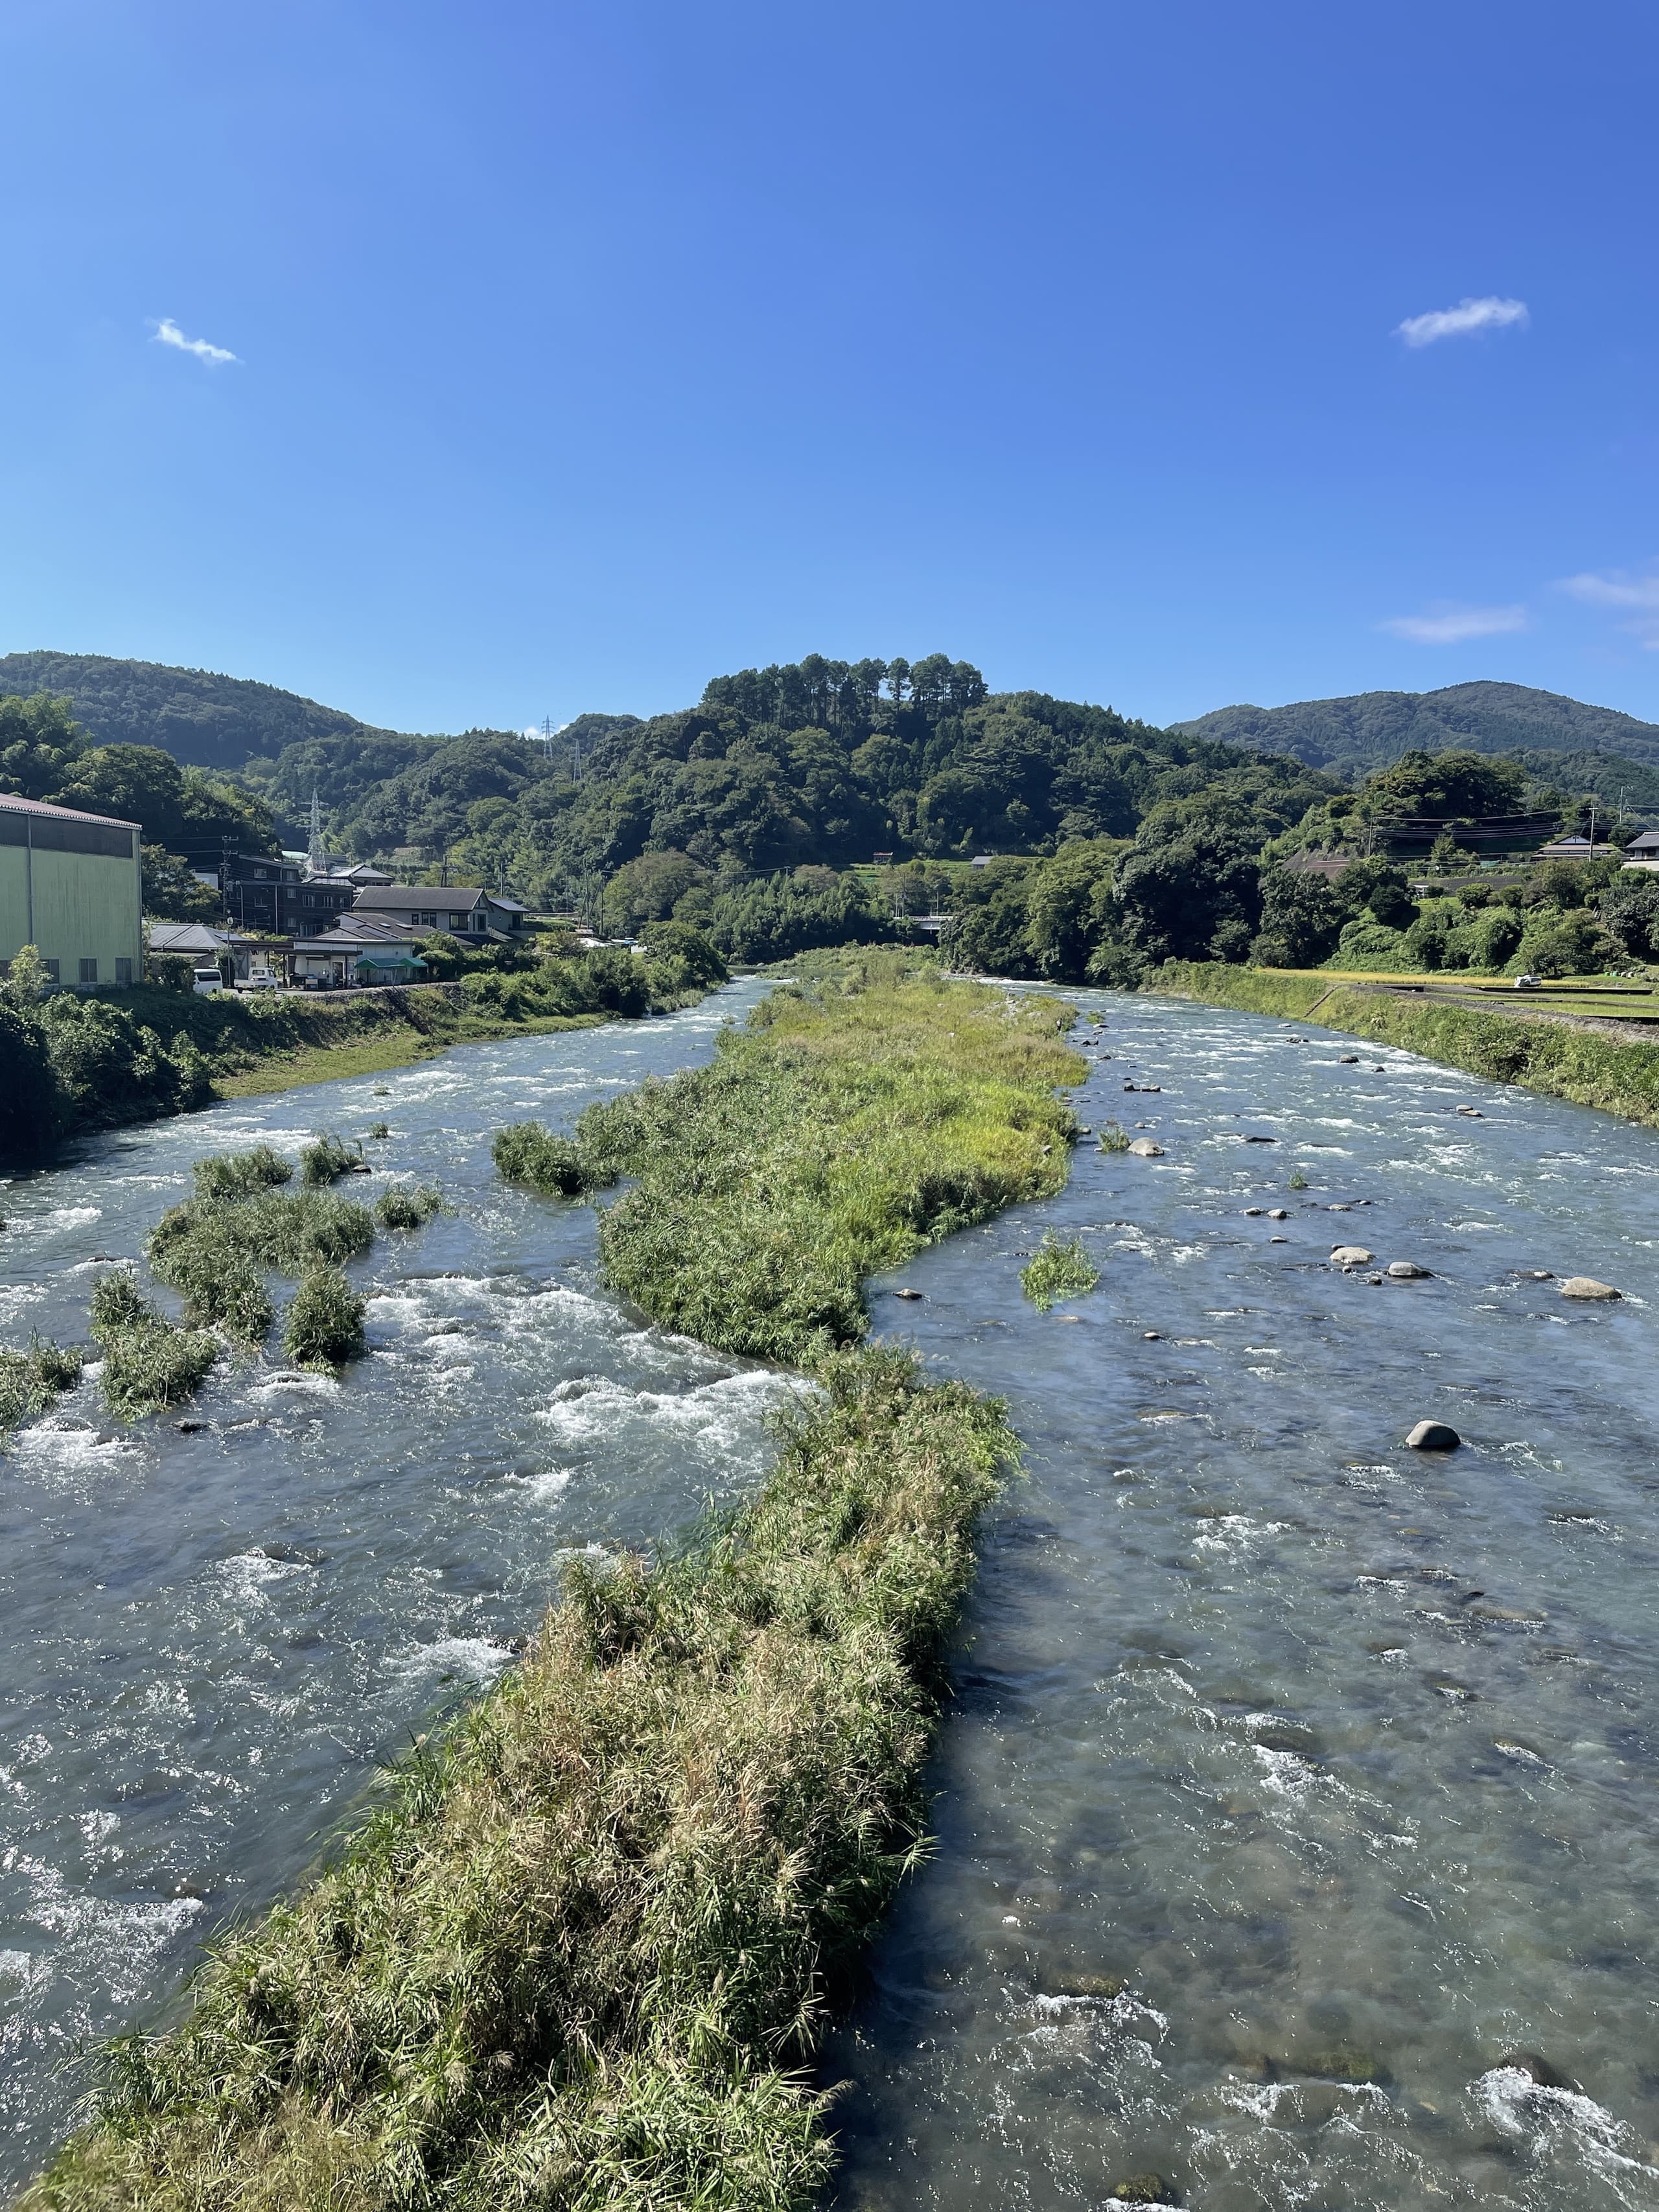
point(1343, 1761)
point(210, 1639)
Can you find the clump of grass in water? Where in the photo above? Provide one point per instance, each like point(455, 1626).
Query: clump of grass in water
point(581, 1955)
point(378, 1130)
point(527, 1153)
point(326, 1159)
point(239, 1175)
point(408, 1206)
point(1056, 1272)
point(1114, 1138)
point(148, 1361)
point(324, 1326)
point(1298, 1181)
point(31, 1381)
point(829, 1143)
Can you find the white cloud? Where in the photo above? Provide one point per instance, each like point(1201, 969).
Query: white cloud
point(1469, 315)
point(1618, 588)
point(167, 332)
point(1445, 623)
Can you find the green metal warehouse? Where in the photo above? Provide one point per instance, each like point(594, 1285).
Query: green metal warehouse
point(70, 884)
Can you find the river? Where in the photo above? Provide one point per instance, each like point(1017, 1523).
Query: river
point(212, 1638)
point(1297, 1810)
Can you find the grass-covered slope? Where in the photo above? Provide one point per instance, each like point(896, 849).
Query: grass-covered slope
point(581, 1952)
point(825, 1144)
point(1579, 1064)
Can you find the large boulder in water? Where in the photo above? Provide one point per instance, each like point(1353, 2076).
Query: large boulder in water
point(1351, 1255)
point(1406, 1271)
point(1144, 1149)
point(1586, 1286)
point(1434, 1436)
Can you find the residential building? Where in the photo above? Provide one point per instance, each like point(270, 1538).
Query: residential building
point(462, 910)
point(70, 886)
point(1644, 847)
point(276, 895)
point(360, 949)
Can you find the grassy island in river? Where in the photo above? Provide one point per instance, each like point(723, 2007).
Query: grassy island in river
point(581, 1952)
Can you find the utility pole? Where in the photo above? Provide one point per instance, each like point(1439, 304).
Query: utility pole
point(1592, 849)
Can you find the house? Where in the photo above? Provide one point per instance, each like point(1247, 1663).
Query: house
point(1568, 848)
point(1644, 847)
point(70, 886)
point(462, 910)
point(274, 894)
point(201, 943)
point(358, 949)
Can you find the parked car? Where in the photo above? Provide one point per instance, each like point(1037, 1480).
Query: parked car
point(264, 979)
point(208, 980)
point(1529, 983)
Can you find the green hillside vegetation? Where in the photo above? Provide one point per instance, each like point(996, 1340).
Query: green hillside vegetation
point(1353, 737)
point(203, 719)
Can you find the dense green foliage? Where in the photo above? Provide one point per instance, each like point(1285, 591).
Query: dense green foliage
point(149, 1363)
point(830, 1141)
point(581, 1955)
point(31, 1381)
point(408, 1206)
point(74, 1062)
point(526, 1153)
point(324, 1325)
point(1056, 1272)
point(1353, 737)
point(213, 721)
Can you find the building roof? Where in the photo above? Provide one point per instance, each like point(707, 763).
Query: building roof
point(506, 905)
point(60, 813)
point(396, 897)
point(1647, 842)
point(186, 936)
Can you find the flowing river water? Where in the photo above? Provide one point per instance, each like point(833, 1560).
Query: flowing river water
point(1297, 1837)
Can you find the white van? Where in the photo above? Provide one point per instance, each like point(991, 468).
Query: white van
point(208, 980)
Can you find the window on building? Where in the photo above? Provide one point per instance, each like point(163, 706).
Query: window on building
point(457, 920)
point(89, 972)
point(124, 971)
point(426, 921)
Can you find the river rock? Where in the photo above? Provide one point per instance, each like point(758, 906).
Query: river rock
point(1278, 1213)
point(1586, 1286)
point(1251, 1210)
point(1434, 1436)
point(906, 1294)
point(1351, 1255)
point(1144, 1149)
point(1349, 1060)
point(1472, 1112)
point(1406, 1271)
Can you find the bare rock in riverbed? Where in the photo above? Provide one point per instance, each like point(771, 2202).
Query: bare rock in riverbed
point(1586, 1286)
point(1351, 1255)
point(1407, 1271)
point(1278, 1213)
point(1144, 1149)
point(1434, 1436)
point(906, 1294)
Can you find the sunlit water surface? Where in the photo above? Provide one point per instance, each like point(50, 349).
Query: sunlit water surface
point(1298, 1810)
point(1297, 1814)
point(211, 1638)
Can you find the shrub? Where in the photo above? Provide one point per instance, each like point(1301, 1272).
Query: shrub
point(31, 1381)
point(149, 1361)
point(1056, 1272)
point(325, 1322)
point(239, 1175)
point(1298, 1181)
point(408, 1206)
point(527, 1153)
point(326, 1159)
point(1114, 1138)
point(378, 1130)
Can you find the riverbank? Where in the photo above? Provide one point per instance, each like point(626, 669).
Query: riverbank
point(1558, 1059)
point(581, 1950)
point(84, 1063)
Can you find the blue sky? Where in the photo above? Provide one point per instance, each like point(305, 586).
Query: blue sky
point(584, 351)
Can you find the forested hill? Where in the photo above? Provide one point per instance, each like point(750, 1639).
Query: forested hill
point(1356, 736)
point(203, 719)
point(819, 764)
